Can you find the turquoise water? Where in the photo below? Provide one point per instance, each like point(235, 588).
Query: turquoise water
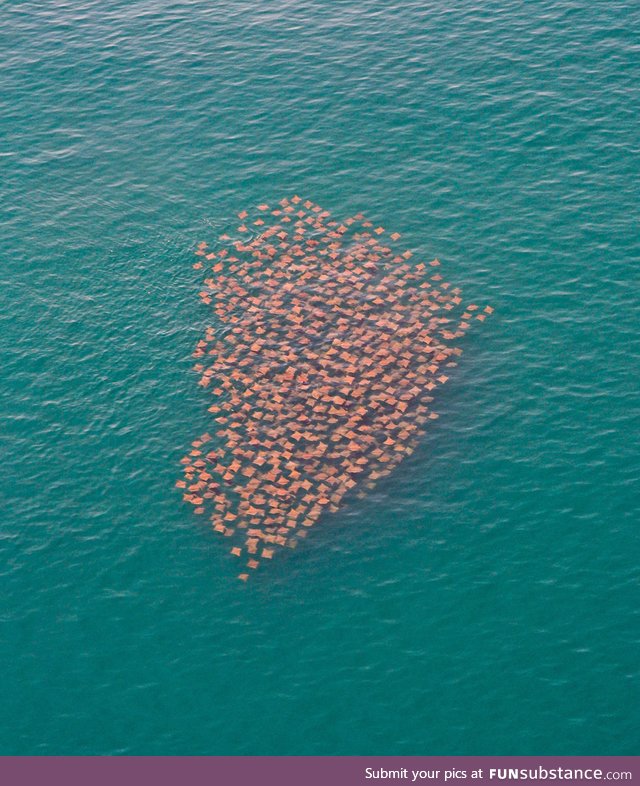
point(483, 600)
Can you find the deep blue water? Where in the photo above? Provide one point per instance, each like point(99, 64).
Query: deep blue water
point(484, 599)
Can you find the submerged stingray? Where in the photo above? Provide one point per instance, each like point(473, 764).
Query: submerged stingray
point(327, 345)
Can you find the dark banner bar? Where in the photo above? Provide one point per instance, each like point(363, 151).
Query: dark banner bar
point(316, 771)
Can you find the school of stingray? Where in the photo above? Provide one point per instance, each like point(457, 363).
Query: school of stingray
point(327, 348)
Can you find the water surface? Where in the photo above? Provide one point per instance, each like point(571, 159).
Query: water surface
point(484, 599)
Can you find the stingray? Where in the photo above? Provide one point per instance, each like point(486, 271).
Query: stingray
point(326, 347)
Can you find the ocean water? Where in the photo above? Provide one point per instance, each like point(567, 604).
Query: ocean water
point(484, 599)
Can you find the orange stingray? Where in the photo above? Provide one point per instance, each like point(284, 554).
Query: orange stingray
point(323, 348)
